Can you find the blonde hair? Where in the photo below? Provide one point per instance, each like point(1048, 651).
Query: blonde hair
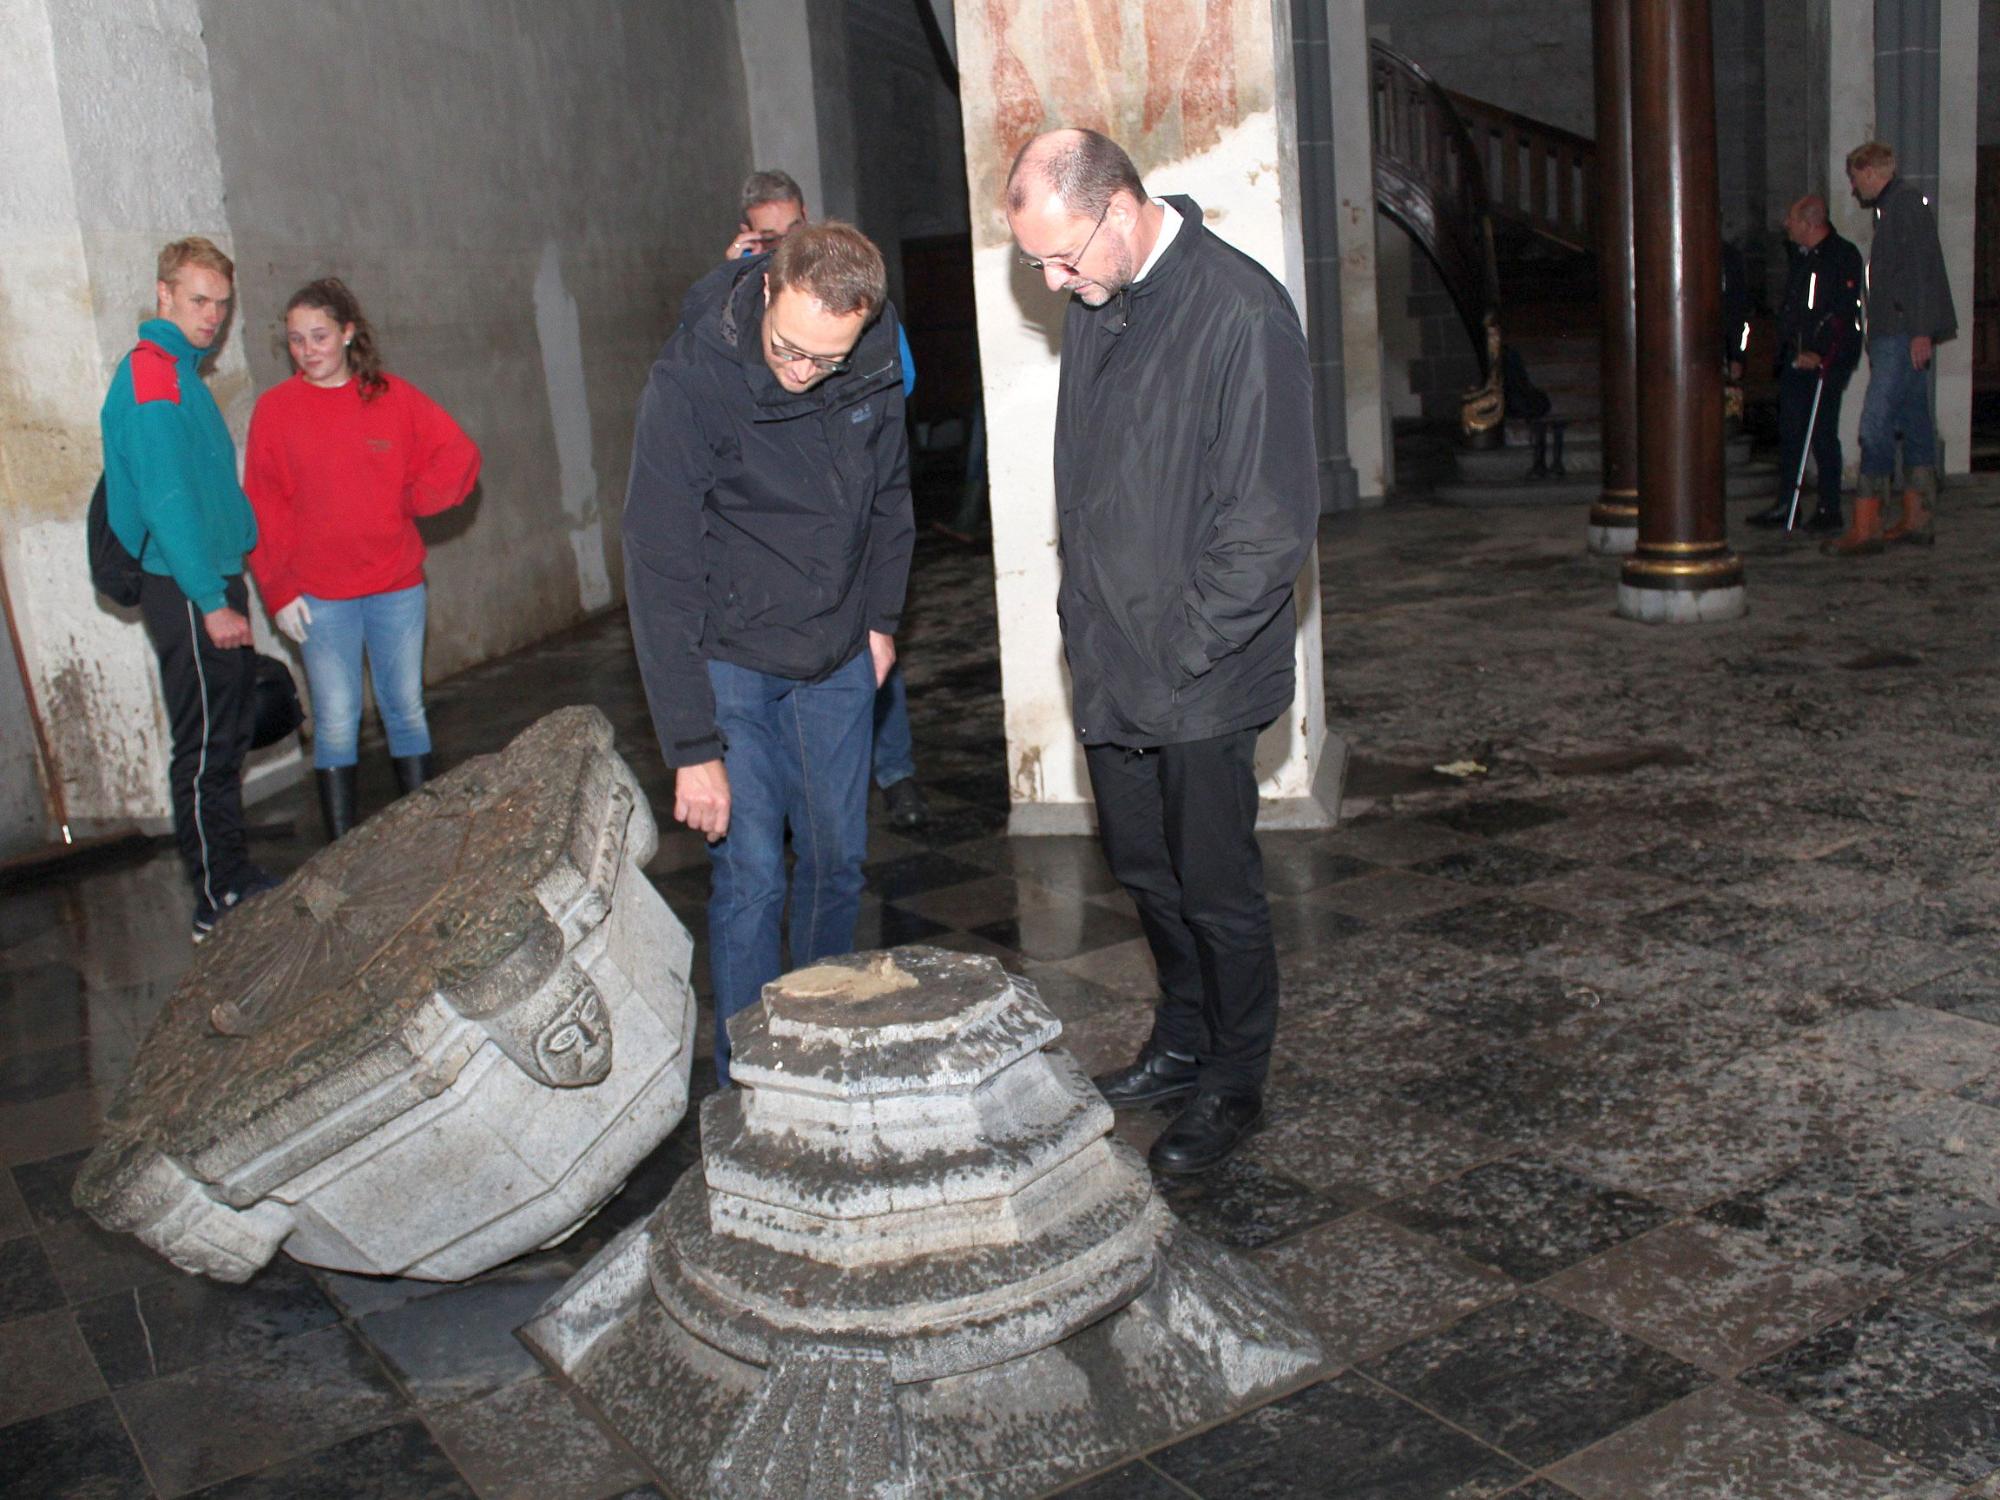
point(194, 251)
point(1871, 154)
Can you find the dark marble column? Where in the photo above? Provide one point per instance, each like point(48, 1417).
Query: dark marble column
point(1682, 570)
point(1614, 519)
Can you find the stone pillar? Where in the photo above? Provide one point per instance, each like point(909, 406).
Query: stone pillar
point(1682, 570)
point(1842, 45)
point(1371, 443)
point(1926, 106)
point(1320, 201)
point(1200, 96)
point(1614, 519)
point(82, 215)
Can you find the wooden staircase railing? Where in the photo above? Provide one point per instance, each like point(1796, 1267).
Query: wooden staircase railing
point(1537, 175)
point(1430, 179)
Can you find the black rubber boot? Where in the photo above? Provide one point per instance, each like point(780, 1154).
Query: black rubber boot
point(412, 771)
point(336, 799)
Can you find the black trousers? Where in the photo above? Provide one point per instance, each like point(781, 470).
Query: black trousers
point(211, 708)
point(1179, 825)
point(1795, 399)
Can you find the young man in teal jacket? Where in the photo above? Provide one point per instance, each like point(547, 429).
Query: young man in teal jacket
point(172, 497)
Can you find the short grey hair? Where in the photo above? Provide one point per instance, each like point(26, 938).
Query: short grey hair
point(1085, 172)
point(771, 186)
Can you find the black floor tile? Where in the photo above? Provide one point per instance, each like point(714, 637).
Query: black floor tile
point(44, 1367)
point(1497, 865)
point(1057, 932)
point(80, 1451)
point(460, 1343)
point(1343, 1439)
point(1135, 1481)
point(1300, 923)
point(400, 1462)
point(1904, 1376)
point(1295, 863)
point(1529, 1218)
point(238, 1416)
point(28, 1284)
point(91, 1262)
point(1535, 1380)
point(27, 1076)
point(45, 1187)
point(1243, 1204)
point(1499, 816)
point(1510, 1093)
point(891, 926)
point(914, 874)
point(1499, 925)
point(42, 1006)
point(1699, 863)
point(1060, 862)
point(169, 1326)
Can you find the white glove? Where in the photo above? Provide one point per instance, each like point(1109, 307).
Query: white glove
point(293, 619)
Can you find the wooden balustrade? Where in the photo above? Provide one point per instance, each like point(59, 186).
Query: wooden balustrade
point(1537, 175)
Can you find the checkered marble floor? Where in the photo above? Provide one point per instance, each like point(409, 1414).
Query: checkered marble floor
point(1634, 1129)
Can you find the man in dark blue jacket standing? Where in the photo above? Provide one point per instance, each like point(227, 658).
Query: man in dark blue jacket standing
point(1187, 502)
point(1819, 344)
point(767, 545)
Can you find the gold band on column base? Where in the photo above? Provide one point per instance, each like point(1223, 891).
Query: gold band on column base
point(1641, 571)
point(1614, 513)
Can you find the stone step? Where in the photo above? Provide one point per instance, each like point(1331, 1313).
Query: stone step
point(1749, 481)
point(1580, 456)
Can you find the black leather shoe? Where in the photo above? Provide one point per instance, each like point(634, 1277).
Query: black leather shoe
point(904, 802)
point(1824, 520)
point(412, 771)
point(1211, 1127)
point(337, 799)
point(1771, 515)
point(1153, 1079)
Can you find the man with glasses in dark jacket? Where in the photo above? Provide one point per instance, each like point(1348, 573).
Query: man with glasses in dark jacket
point(767, 546)
point(1187, 502)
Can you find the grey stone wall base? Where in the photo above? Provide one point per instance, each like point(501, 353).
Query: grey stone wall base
point(1207, 1339)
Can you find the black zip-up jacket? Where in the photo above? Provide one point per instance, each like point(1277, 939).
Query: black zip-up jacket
point(762, 528)
point(1821, 311)
point(1908, 291)
point(1187, 496)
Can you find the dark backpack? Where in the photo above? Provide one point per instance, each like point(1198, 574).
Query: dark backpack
point(115, 571)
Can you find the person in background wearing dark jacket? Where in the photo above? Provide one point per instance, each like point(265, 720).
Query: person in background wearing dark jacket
point(767, 546)
point(773, 206)
point(1909, 313)
point(1186, 502)
point(173, 500)
point(1819, 344)
point(342, 459)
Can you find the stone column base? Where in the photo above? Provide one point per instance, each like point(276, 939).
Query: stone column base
point(1613, 541)
point(1318, 808)
point(1656, 606)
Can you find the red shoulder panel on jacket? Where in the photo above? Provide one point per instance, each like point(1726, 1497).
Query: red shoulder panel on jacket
point(156, 376)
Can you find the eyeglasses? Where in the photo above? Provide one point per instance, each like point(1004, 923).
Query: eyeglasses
point(1068, 264)
point(825, 364)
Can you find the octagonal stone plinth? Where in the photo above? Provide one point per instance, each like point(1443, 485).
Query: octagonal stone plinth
point(442, 1043)
point(913, 1262)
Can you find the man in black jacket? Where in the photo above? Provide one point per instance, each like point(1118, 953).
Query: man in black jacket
point(767, 545)
point(1909, 313)
point(1819, 344)
point(1187, 503)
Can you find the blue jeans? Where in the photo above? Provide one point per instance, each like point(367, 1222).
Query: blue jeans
point(1898, 400)
point(797, 756)
point(895, 759)
point(390, 629)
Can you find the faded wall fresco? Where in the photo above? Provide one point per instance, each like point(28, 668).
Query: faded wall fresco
point(1166, 79)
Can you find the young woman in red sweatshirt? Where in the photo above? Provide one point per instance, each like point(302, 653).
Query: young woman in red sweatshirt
point(341, 460)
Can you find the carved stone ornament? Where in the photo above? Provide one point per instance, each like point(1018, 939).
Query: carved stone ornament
point(442, 1043)
point(913, 1262)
